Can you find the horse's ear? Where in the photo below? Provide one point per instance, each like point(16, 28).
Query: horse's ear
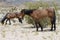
point(23, 10)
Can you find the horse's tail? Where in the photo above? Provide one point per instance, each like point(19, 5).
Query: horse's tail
point(4, 18)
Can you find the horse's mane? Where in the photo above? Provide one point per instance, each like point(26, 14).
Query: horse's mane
point(27, 11)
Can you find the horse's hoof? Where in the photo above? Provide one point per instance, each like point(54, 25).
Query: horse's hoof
point(41, 30)
point(9, 24)
point(54, 29)
point(37, 30)
point(51, 30)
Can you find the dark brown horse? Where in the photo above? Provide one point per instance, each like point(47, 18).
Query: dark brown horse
point(38, 14)
point(10, 16)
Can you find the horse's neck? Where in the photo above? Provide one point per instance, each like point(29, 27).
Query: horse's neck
point(28, 12)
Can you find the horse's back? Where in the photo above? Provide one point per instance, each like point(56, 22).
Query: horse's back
point(42, 13)
point(11, 15)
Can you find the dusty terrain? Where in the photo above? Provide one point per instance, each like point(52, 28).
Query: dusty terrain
point(18, 31)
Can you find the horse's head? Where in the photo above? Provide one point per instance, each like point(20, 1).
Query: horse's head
point(21, 16)
point(2, 22)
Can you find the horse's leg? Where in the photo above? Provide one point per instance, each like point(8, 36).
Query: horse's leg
point(9, 22)
point(36, 24)
point(6, 21)
point(40, 26)
point(54, 26)
point(51, 25)
point(54, 22)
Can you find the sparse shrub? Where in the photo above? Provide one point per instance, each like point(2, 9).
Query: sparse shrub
point(29, 19)
point(44, 22)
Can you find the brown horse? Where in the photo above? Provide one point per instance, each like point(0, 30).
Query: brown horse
point(10, 16)
point(38, 14)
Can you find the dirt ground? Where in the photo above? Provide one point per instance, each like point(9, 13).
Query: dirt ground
point(18, 31)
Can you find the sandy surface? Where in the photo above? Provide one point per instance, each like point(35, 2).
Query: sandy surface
point(23, 31)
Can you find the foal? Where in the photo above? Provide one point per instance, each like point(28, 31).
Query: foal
point(10, 16)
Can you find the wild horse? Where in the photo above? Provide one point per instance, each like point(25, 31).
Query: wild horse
point(37, 14)
point(10, 16)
